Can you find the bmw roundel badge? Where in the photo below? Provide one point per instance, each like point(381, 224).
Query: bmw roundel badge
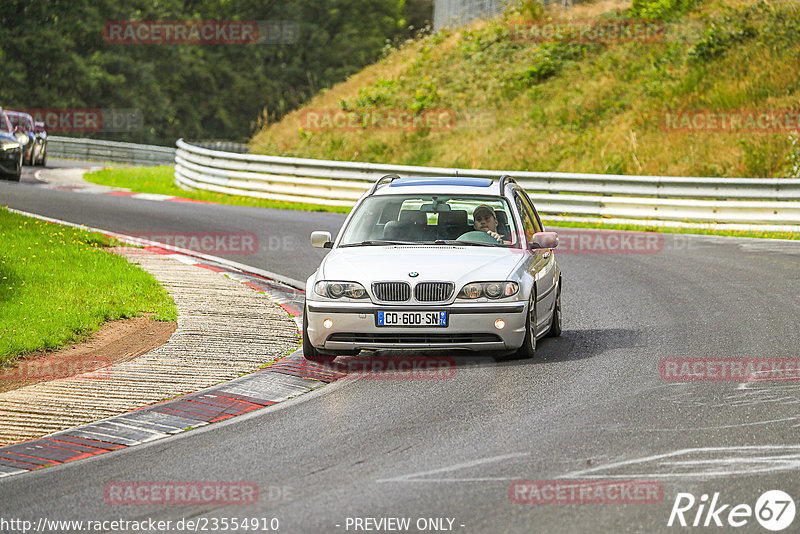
point(413, 274)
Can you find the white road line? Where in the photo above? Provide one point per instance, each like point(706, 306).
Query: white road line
point(465, 465)
point(779, 463)
point(720, 427)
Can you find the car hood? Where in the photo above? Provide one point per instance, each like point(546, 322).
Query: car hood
point(433, 263)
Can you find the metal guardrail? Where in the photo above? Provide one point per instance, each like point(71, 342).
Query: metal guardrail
point(100, 150)
point(759, 201)
point(224, 146)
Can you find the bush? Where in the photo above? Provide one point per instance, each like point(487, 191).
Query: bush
point(660, 9)
point(717, 40)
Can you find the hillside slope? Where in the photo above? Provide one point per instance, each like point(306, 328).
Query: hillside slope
point(617, 106)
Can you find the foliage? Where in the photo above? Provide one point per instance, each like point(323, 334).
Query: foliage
point(792, 163)
point(54, 56)
point(530, 9)
point(728, 31)
point(660, 9)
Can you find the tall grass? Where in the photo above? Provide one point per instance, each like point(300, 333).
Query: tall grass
point(576, 107)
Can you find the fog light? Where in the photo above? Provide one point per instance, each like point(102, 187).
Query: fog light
point(499, 324)
point(327, 323)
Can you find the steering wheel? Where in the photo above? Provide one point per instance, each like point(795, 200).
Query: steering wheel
point(477, 236)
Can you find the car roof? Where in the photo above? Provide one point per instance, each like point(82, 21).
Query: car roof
point(19, 114)
point(450, 185)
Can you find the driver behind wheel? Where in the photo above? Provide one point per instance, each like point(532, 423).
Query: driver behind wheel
point(486, 221)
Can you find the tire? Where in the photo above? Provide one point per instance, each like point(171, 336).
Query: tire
point(17, 175)
point(44, 156)
point(309, 352)
point(555, 322)
point(528, 348)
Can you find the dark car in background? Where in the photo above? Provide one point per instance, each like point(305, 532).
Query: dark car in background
point(10, 149)
point(40, 146)
point(23, 129)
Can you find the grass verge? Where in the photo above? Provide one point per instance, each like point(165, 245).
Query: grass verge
point(58, 284)
point(160, 180)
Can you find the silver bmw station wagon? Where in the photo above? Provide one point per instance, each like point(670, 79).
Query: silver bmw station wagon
point(435, 263)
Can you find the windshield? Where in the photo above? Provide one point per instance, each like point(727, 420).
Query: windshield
point(5, 125)
point(431, 219)
point(22, 121)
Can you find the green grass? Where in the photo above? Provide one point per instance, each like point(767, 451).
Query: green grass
point(58, 284)
point(160, 180)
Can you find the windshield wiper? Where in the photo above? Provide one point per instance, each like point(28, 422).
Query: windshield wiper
point(457, 243)
point(374, 242)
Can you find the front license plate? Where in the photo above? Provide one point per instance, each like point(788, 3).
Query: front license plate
point(407, 318)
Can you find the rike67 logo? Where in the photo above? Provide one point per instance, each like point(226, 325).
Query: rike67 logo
point(774, 510)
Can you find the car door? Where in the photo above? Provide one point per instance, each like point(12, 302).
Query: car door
point(542, 265)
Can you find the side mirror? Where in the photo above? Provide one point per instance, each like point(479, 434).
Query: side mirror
point(321, 239)
point(544, 240)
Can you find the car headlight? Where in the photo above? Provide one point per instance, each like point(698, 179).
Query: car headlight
point(491, 290)
point(336, 289)
point(9, 145)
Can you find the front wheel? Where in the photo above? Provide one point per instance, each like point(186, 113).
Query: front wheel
point(18, 174)
point(309, 352)
point(528, 348)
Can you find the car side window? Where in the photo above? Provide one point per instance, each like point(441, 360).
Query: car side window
point(528, 225)
point(537, 222)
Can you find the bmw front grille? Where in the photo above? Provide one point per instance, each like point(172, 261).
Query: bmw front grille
point(433, 291)
point(392, 291)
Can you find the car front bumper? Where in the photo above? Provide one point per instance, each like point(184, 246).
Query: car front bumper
point(470, 327)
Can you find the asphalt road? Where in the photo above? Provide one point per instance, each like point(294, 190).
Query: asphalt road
point(592, 406)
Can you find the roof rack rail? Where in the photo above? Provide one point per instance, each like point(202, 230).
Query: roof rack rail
point(503, 179)
point(380, 181)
